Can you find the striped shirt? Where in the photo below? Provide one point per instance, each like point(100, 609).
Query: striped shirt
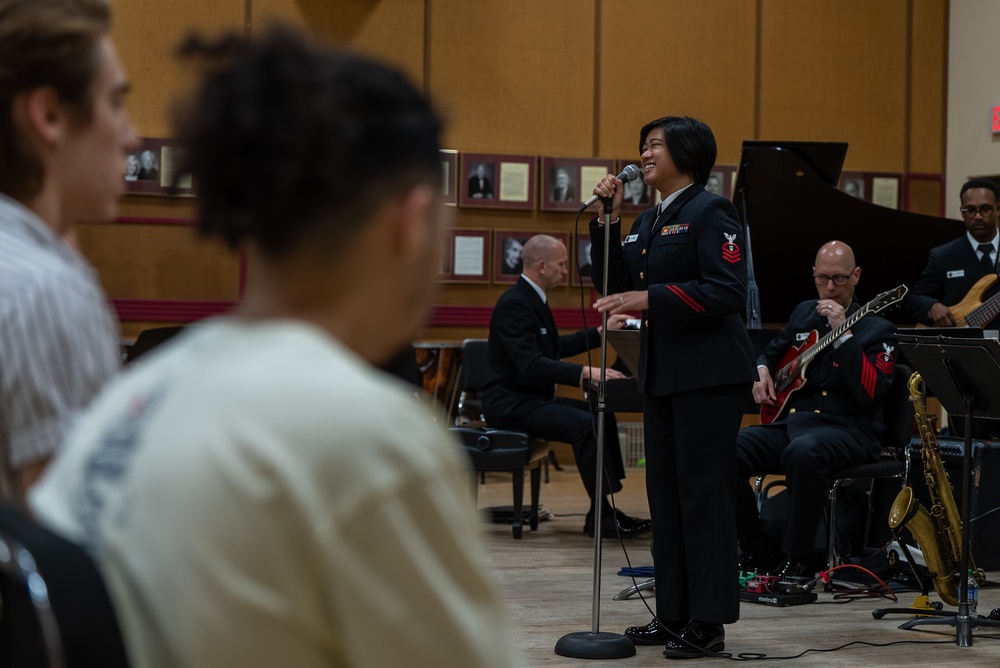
point(58, 341)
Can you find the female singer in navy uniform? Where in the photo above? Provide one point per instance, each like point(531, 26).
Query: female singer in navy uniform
point(682, 266)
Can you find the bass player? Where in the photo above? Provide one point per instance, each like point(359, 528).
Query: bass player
point(834, 420)
point(955, 267)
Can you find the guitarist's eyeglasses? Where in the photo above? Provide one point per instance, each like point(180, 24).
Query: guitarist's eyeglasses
point(984, 211)
point(839, 279)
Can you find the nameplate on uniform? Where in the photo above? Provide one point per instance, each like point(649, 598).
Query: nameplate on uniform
point(956, 273)
point(680, 228)
point(630, 238)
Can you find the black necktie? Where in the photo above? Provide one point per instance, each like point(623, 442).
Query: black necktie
point(986, 249)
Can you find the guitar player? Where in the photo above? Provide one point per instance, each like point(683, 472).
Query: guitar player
point(831, 422)
point(955, 267)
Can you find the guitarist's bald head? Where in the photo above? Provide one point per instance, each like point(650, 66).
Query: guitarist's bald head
point(836, 250)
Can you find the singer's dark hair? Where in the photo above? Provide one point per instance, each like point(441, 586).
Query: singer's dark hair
point(989, 184)
point(690, 142)
point(293, 143)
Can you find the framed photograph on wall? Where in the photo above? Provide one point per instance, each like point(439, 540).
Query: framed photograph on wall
point(721, 180)
point(854, 184)
point(881, 188)
point(491, 181)
point(507, 247)
point(465, 257)
point(568, 182)
point(150, 169)
point(638, 196)
point(580, 272)
point(449, 174)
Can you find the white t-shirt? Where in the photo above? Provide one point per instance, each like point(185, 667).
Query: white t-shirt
point(256, 495)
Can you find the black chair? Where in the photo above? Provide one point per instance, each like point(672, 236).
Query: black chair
point(56, 612)
point(496, 449)
point(898, 418)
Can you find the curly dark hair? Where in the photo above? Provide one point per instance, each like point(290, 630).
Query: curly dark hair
point(690, 143)
point(45, 43)
point(290, 142)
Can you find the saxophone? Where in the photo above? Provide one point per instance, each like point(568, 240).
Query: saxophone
point(938, 531)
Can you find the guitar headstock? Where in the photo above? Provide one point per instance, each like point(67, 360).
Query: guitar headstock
point(886, 299)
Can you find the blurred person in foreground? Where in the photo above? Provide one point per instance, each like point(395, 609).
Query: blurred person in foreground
point(64, 135)
point(257, 493)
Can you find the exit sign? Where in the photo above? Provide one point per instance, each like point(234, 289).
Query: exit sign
point(996, 120)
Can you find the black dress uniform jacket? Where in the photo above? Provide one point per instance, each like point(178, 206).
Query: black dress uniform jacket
point(690, 259)
point(844, 385)
point(951, 271)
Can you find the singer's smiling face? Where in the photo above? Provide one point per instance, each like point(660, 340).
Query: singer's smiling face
point(658, 168)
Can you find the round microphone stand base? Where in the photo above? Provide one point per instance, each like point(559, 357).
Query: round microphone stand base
point(590, 645)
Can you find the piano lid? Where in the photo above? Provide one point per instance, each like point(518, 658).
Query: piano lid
point(786, 196)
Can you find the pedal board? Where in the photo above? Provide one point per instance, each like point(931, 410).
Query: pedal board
point(780, 600)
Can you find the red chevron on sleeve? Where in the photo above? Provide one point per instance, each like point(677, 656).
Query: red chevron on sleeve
point(868, 376)
point(686, 298)
point(884, 362)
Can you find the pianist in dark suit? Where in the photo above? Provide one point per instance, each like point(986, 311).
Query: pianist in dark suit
point(682, 266)
point(834, 421)
point(525, 353)
point(954, 267)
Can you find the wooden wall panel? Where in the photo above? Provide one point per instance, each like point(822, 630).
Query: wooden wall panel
point(928, 86)
point(147, 36)
point(836, 71)
point(390, 29)
point(673, 57)
point(159, 262)
point(515, 76)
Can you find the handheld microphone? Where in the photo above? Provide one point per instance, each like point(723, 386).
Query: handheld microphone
point(630, 173)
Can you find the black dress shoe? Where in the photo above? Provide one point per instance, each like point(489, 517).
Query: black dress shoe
point(636, 524)
point(697, 638)
point(654, 633)
point(611, 527)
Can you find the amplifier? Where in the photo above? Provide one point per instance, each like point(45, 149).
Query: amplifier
point(984, 495)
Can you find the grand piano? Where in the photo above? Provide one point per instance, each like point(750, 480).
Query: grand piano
point(788, 202)
point(787, 199)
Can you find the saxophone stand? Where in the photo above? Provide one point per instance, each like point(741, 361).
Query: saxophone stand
point(595, 644)
point(965, 376)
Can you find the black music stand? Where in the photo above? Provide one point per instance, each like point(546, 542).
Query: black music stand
point(965, 376)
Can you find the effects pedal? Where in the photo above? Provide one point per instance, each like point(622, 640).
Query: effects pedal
point(772, 590)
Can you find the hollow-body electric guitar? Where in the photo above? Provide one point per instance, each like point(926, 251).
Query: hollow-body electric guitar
point(791, 374)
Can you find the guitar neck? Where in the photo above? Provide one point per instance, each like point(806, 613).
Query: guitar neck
point(807, 356)
point(836, 333)
point(984, 313)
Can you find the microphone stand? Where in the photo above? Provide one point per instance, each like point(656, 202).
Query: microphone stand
point(594, 644)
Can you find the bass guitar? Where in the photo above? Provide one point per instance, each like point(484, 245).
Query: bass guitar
point(791, 374)
point(973, 310)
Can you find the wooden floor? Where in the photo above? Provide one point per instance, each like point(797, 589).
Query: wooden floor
point(546, 580)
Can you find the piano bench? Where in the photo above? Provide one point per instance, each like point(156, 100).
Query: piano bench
point(504, 450)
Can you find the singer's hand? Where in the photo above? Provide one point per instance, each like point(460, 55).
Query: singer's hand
point(609, 186)
point(623, 302)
